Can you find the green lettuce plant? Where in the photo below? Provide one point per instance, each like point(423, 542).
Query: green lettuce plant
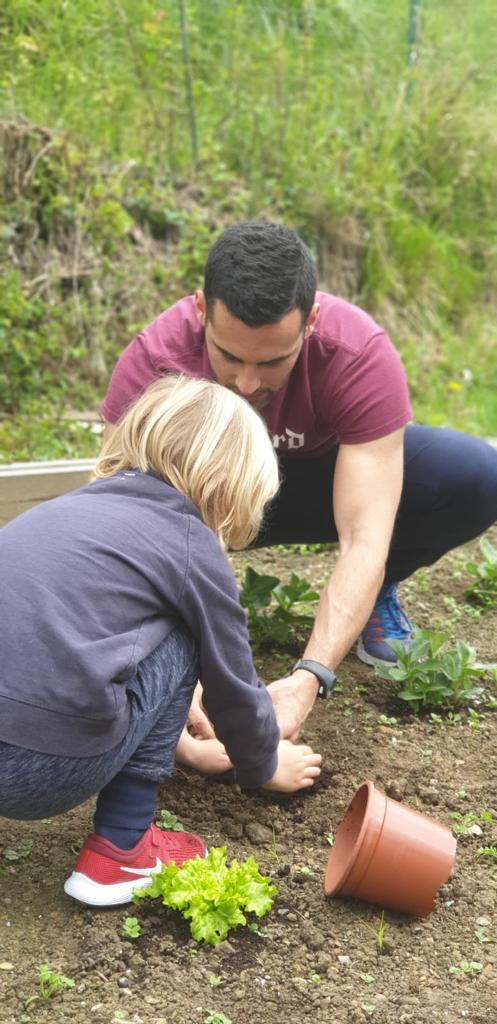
point(214, 896)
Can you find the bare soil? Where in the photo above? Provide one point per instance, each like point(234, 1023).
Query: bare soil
point(316, 958)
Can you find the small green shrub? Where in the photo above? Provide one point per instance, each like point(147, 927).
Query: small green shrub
point(293, 600)
point(484, 589)
point(433, 675)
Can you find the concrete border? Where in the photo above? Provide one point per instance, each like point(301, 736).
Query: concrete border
point(23, 484)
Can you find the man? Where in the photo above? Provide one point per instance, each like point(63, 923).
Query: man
point(332, 391)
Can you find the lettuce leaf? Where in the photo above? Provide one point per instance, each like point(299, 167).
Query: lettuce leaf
point(211, 894)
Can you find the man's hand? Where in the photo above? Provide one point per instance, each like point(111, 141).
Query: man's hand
point(293, 697)
point(198, 723)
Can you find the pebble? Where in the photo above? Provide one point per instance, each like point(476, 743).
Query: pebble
point(258, 834)
point(233, 829)
point(396, 788)
point(313, 938)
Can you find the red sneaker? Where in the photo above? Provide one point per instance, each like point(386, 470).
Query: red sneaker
point(105, 876)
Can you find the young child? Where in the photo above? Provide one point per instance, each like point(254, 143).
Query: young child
point(115, 599)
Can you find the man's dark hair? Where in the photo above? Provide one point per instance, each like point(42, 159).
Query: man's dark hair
point(260, 271)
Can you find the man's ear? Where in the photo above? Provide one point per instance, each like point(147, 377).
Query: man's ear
point(200, 306)
point(311, 319)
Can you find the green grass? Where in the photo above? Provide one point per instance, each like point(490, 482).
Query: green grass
point(304, 111)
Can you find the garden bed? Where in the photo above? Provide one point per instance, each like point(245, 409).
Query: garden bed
point(314, 958)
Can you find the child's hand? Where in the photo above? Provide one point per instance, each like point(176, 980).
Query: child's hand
point(298, 768)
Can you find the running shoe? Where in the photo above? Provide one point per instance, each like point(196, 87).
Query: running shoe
point(388, 621)
point(105, 876)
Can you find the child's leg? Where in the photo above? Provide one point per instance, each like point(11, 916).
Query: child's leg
point(35, 785)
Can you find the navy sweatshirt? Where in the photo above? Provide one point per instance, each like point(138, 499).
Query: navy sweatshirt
point(90, 583)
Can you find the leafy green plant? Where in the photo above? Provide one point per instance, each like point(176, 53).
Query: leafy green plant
point(467, 967)
point(487, 851)
point(214, 896)
point(19, 852)
point(215, 980)
point(169, 822)
point(131, 928)
point(433, 675)
point(484, 589)
point(216, 1018)
point(470, 823)
point(49, 982)
point(293, 600)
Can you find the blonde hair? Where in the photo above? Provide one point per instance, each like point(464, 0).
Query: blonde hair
point(206, 442)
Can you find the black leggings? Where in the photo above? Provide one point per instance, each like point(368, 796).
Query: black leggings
point(449, 496)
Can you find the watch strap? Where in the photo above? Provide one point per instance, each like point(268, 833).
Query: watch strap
point(326, 677)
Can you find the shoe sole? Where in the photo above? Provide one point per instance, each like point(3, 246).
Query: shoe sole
point(94, 894)
point(368, 659)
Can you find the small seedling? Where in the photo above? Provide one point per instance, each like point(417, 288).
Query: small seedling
point(216, 1018)
point(467, 967)
point(387, 720)
point(470, 824)
point(487, 851)
point(482, 936)
point(367, 978)
point(304, 870)
point(50, 982)
point(380, 934)
point(19, 852)
point(168, 822)
point(131, 928)
point(379, 931)
point(368, 1008)
point(474, 720)
point(253, 927)
point(316, 978)
point(330, 838)
point(215, 981)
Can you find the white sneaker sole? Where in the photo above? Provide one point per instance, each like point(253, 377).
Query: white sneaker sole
point(94, 894)
point(368, 658)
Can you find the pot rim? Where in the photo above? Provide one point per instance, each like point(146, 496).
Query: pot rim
point(365, 842)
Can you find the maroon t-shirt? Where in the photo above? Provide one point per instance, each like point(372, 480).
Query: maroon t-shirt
point(348, 384)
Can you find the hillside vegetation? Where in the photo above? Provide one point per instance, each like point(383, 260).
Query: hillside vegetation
point(132, 133)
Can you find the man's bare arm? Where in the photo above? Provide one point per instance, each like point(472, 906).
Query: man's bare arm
point(366, 494)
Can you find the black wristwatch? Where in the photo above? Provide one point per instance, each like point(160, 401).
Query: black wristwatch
point(327, 678)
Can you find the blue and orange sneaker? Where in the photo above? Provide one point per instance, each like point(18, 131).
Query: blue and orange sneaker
point(388, 621)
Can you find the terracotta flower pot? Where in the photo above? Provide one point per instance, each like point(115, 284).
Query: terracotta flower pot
point(387, 853)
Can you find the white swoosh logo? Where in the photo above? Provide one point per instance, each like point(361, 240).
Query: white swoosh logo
point(143, 871)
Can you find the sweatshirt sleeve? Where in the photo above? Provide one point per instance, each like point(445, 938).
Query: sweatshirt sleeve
point(236, 701)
